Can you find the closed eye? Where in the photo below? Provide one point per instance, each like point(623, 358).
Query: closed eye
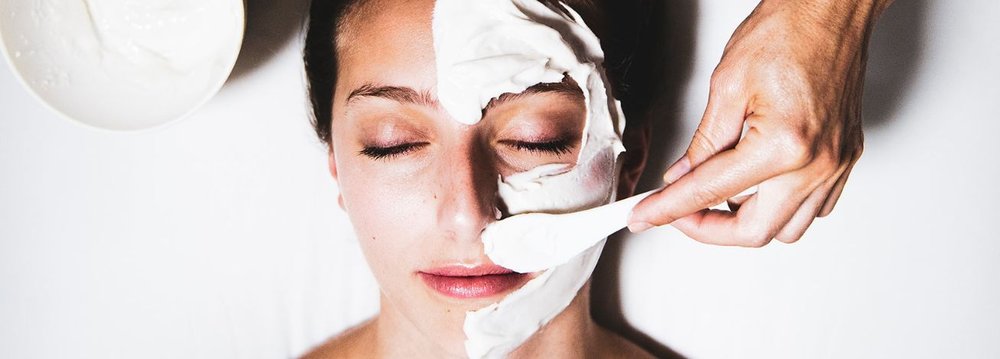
point(558, 147)
point(388, 152)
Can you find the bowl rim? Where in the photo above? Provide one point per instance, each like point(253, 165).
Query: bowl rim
point(209, 95)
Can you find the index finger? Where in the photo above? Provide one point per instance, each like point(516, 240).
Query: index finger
point(753, 160)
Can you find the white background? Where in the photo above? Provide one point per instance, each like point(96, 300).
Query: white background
point(219, 236)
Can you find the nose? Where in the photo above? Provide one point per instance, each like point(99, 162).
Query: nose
point(468, 183)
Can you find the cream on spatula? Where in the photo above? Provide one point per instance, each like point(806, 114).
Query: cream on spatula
point(535, 241)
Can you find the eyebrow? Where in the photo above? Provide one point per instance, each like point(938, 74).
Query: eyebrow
point(409, 95)
point(566, 87)
point(395, 93)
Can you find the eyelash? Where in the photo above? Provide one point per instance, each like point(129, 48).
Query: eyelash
point(389, 152)
point(559, 147)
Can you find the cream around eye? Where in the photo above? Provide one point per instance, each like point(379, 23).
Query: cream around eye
point(560, 146)
point(538, 118)
point(536, 136)
point(487, 48)
point(519, 156)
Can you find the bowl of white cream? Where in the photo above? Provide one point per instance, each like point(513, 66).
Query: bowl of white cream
point(122, 65)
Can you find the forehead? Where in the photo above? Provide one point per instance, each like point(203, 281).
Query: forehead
point(388, 42)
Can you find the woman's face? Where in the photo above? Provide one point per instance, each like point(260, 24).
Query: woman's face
point(418, 186)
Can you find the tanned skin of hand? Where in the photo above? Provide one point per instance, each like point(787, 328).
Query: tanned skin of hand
point(792, 74)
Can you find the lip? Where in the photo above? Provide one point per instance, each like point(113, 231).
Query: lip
point(481, 281)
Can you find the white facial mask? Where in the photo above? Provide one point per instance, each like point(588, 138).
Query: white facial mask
point(486, 48)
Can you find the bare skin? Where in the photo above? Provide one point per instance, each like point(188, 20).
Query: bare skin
point(792, 73)
point(419, 187)
point(586, 340)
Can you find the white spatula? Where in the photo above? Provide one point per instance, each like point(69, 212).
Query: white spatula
point(535, 241)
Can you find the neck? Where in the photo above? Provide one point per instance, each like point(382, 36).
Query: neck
point(571, 334)
point(396, 336)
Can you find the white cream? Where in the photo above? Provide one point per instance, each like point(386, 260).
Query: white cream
point(139, 41)
point(124, 64)
point(486, 48)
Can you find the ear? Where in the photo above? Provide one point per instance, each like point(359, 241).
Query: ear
point(332, 163)
point(636, 140)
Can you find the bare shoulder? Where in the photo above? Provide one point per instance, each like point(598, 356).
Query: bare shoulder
point(356, 342)
point(613, 345)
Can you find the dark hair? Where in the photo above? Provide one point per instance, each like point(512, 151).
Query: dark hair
point(619, 24)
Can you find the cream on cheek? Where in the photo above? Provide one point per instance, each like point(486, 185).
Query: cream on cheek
point(484, 49)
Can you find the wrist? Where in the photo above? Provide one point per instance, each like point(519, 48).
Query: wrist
point(844, 17)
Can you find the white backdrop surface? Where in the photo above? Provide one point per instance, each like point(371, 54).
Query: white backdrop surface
point(220, 237)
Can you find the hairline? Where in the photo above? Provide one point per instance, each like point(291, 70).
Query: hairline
point(334, 18)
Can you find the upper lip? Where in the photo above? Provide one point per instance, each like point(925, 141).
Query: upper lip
point(466, 271)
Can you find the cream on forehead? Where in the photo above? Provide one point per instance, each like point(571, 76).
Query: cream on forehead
point(485, 48)
point(509, 38)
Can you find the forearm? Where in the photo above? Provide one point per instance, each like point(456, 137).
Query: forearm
point(848, 18)
point(860, 8)
point(825, 36)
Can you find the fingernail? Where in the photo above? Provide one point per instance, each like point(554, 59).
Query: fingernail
point(678, 169)
point(639, 227)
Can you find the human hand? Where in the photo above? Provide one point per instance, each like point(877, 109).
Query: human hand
point(792, 75)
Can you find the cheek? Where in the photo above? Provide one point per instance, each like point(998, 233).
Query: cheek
point(384, 210)
point(387, 213)
point(594, 184)
point(600, 174)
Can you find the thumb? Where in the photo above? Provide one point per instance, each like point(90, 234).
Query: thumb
point(719, 130)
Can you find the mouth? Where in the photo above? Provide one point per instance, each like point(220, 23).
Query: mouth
point(481, 281)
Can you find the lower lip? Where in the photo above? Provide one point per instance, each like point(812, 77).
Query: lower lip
point(482, 286)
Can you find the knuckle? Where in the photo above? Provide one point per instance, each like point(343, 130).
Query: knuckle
point(757, 240)
point(828, 163)
point(788, 238)
point(703, 141)
point(795, 150)
point(754, 236)
point(707, 196)
point(722, 83)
